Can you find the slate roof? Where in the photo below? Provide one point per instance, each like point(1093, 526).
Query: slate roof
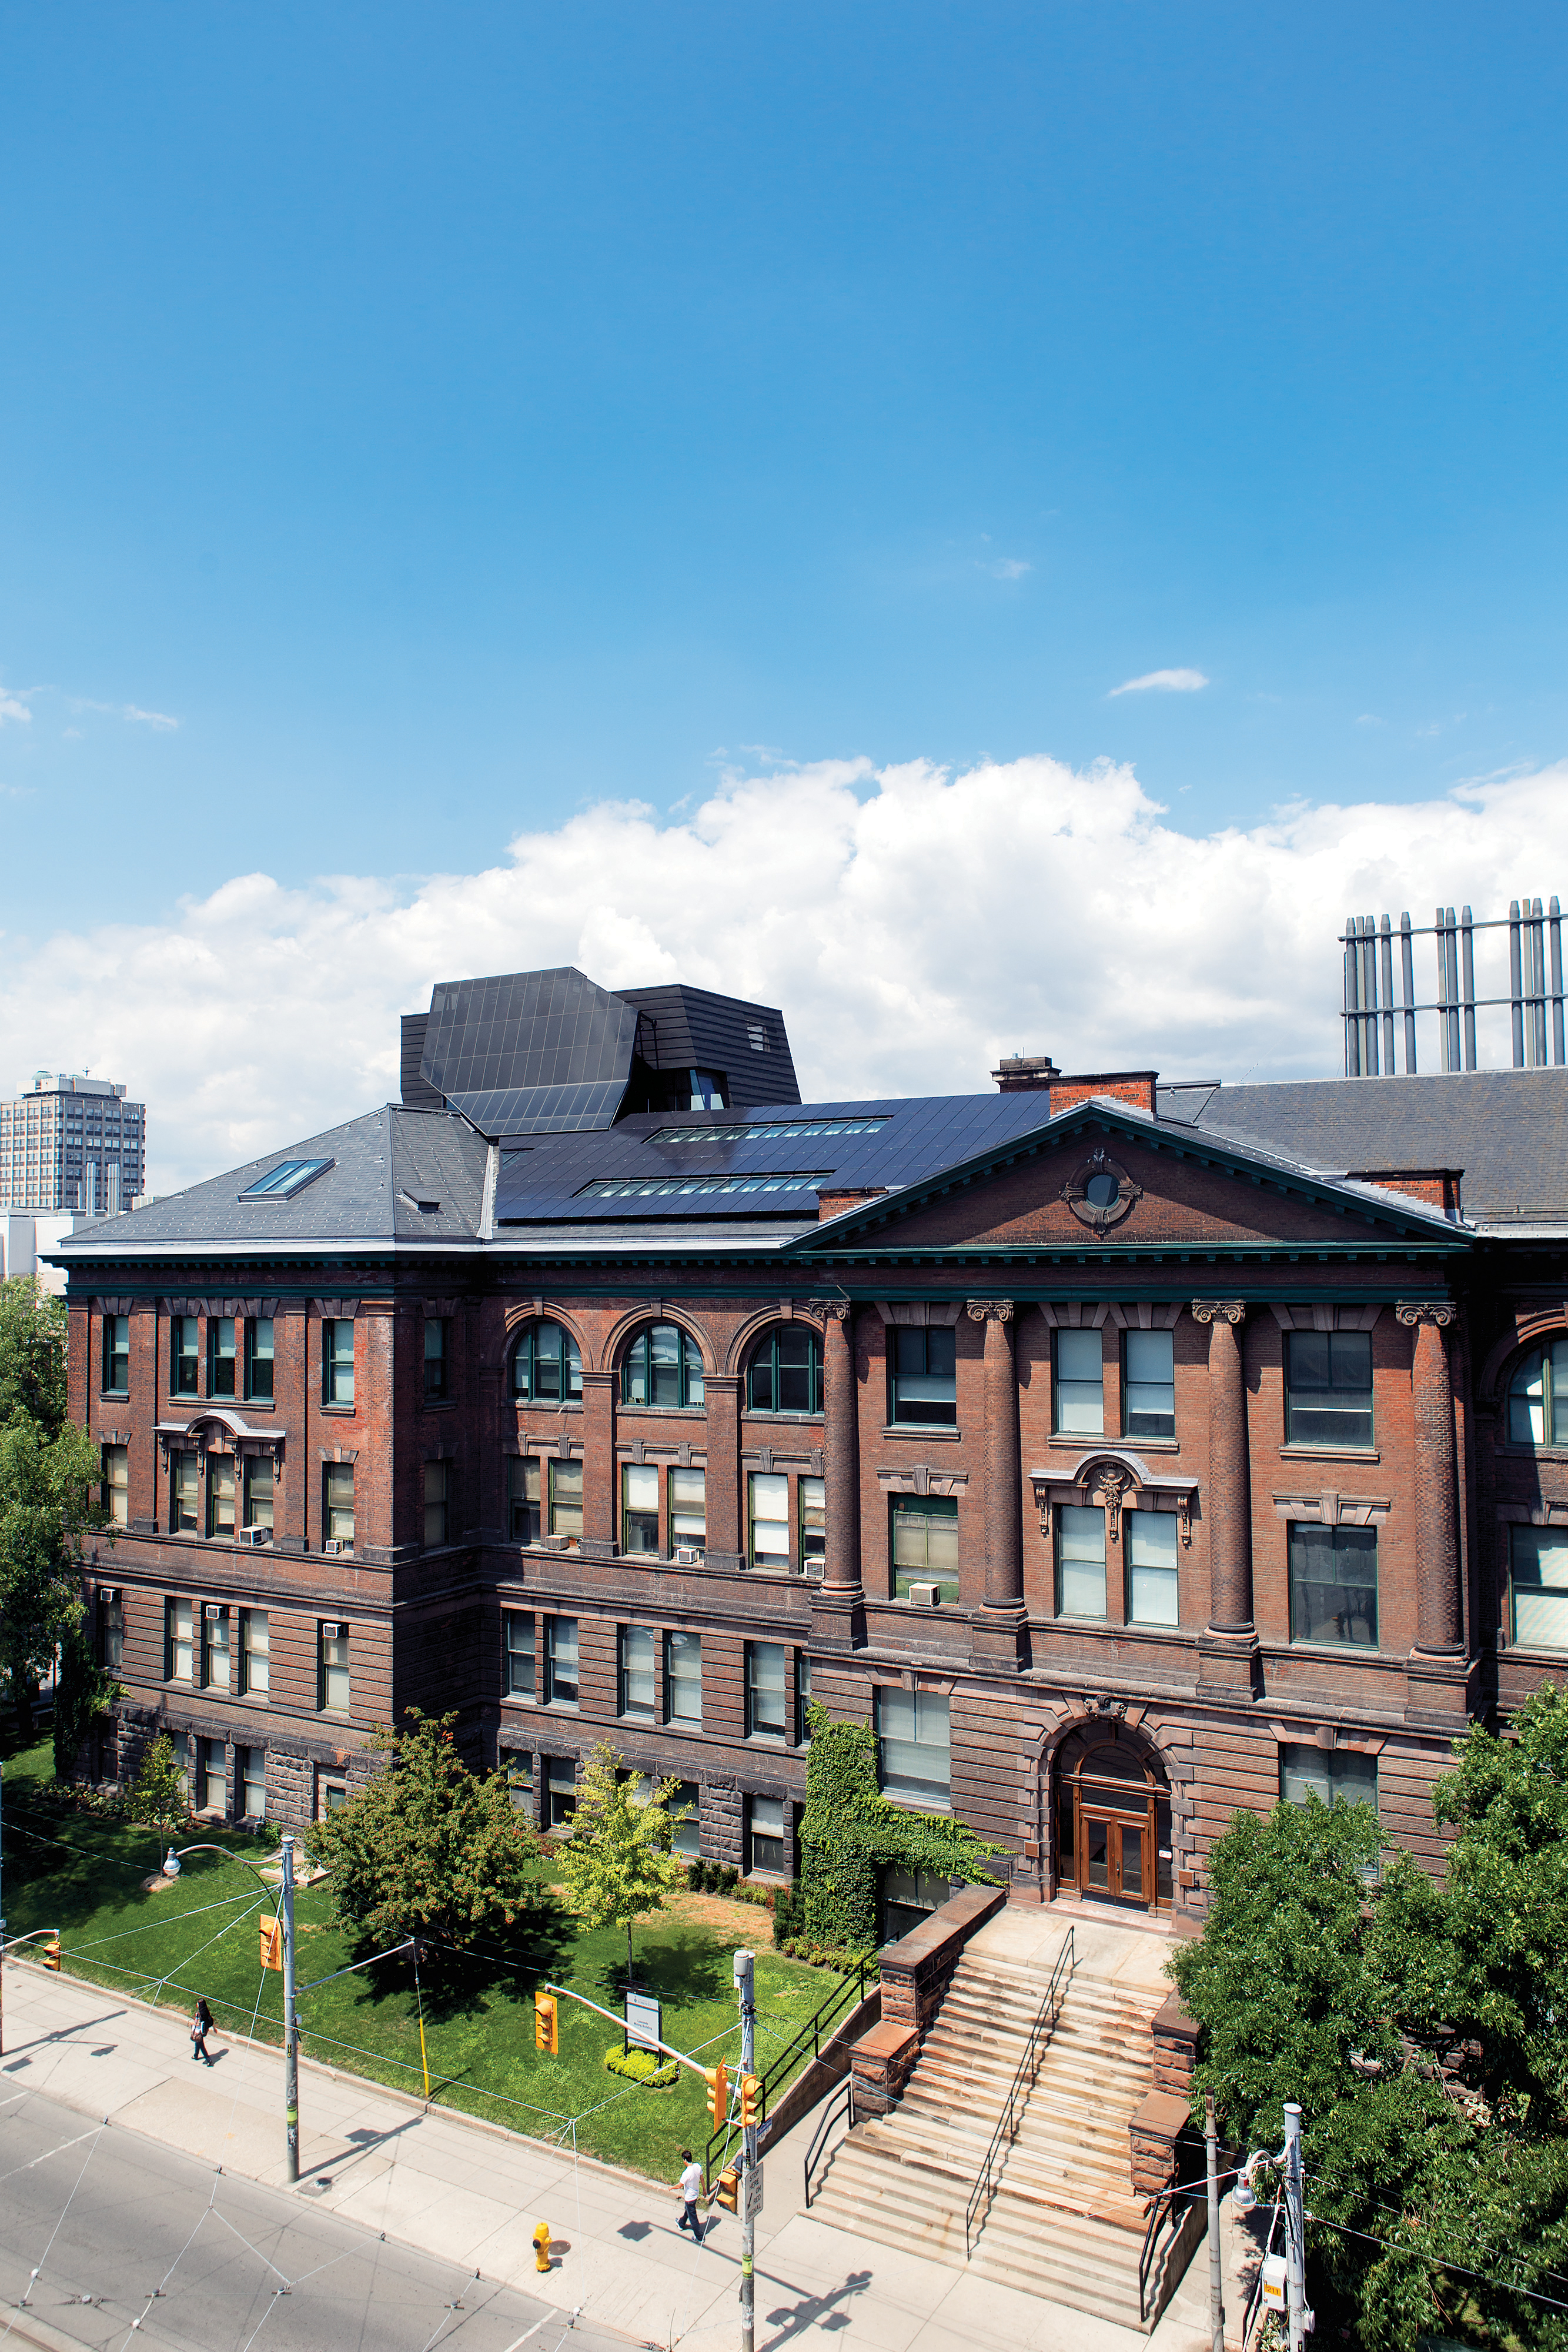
point(1506, 1129)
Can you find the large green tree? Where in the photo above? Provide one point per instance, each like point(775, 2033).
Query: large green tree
point(427, 1846)
point(48, 1474)
point(618, 1862)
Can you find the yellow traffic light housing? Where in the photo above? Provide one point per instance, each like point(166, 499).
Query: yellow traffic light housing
point(728, 2189)
point(751, 2101)
point(718, 2080)
point(52, 1954)
point(271, 1943)
point(547, 2028)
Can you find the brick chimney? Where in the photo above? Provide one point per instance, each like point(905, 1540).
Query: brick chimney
point(1037, 1072)
point(1024, 1073)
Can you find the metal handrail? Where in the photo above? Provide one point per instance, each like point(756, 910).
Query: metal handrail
point(844, 2104)
point(779, 2068)
point(1006, 2122)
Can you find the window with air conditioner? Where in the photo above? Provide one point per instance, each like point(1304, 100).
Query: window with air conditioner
point(337, 1516)
point(215, 1657)
point(334, 1668)
point(688, 1510)
point(683, 1680)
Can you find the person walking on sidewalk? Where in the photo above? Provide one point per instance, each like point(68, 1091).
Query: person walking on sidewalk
point(690, 2190)
point(201, 2026)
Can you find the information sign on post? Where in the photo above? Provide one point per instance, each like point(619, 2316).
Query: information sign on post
point(645, 2019)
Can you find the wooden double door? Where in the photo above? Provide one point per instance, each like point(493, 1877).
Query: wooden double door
point(1116, 1848)
point(1113, 1825)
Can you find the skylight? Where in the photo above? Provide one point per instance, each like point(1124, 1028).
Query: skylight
point(282, 1182)
point(645, 1187)
point(761, 1131)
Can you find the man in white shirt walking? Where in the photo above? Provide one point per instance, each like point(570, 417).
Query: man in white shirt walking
point(690, 2190)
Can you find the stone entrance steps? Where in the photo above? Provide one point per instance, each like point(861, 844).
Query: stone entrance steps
point(1063, 2221)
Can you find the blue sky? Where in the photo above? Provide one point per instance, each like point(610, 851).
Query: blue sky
point(418, 424)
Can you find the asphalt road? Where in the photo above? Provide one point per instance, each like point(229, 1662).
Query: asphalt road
point(120, 2229)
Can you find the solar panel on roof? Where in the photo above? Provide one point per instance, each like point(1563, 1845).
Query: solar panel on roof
point(627, 1188)
point(764, 1130)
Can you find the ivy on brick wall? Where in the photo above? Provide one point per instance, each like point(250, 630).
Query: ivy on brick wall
point(850, 1834)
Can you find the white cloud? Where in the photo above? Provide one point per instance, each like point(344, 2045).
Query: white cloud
point(14, 708)
point(157, 718)
point(1009, 567)
point(1161, 681)
point(912, 923)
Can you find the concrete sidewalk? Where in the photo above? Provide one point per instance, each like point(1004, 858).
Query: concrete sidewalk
point(471, 2193)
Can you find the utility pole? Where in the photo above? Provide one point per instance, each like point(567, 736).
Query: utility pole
point(1297, 2314)
point(750, 2179)
point(290, 2022)
point(1, 1911)
point(1216, 2264)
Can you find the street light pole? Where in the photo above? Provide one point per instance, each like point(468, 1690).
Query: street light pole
point(1216, 2265)
point(290, 2022)
point(1295, 2231)
point(750, 2180)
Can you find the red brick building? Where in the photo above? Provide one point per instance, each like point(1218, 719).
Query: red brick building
point(1123, 1454)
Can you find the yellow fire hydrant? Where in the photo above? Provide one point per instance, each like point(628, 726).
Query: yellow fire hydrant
point(541, 2245)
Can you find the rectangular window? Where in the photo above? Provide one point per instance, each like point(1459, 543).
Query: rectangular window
point(180, 1641)
point(684, 1679)
point(517, 1764)
point(258, 1359)
point(182, 1355)
point(215, 1646)
point(1080, 1560)
point(255, 1654)
point(334, 1669)
point(116, 1354)
point(111, 1630)
point(331, 1793)
point(765, 1835)
point(1149, 1407)
point(116, 1475)
point(434, 1504)
point(688, 1510)
point(769, 1516)
point(684, 1809)
point(1150, 1539)
point(636, 1673)
point(212, 1777)
point(1538, 1588)
point(1327, 1773)
point(220, 1356)
point(914, 1746)
point(909, 1899)
point(258, 1491)
point(1328, 1387)
point(802, 1698)
point(517, 1663)
point(523, 1492)
point(250, 1766)
point(1333, 1584)
point(764, 1690)
point(184, 1494)
point(1079, 1384)
point(560, 1661)
point(337, 1360)
point(924, 1544)
point(566, 1500)
point(435, 1335)
point(923, 1370)
point(561, 1791)
point(338, 1504)
point(640, 1514)
point(221, 1494)
point(813, 1523)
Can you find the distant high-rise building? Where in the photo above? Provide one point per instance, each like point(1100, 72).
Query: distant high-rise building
point(70, 1142)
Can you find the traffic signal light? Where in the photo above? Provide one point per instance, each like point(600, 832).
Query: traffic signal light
point(728, 2189)
point(272, 1943)
point(52, 1954)
point(751, 2101)
point(547, 2030)
point(717, 2079)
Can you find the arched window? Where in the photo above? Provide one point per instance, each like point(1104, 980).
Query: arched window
point(661, 1366)
point(1538, 1397)
point(785, 1374)
point(547, 1366)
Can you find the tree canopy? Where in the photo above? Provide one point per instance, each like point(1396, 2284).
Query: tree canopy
point(427, 1846)
point(618, 1864)
point(48, 1474)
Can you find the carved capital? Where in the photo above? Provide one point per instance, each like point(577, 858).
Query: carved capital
point(990, 1310)
point(1440, 1311)
point(1218, 1310)
point(840, 1309)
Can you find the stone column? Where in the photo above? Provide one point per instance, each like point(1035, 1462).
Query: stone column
point(1439, 1618)
point(1004, 1553)
point(838, 1603)
point(1227, 1502)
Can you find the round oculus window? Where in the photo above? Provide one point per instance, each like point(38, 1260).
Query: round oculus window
point(1102, 1190)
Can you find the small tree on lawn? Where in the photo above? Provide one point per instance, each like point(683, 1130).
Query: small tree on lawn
point(157, 1795)
point(428, 1845)
point(617, 1864)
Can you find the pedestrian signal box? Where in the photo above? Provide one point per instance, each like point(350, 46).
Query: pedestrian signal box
point(547, 2028)
point(52, 1954)
point(272, 1943)
point(718, 2080)
point(728, 2189)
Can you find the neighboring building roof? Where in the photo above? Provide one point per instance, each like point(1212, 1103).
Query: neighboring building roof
point(1506, 1130)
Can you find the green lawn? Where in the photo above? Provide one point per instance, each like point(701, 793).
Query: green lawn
point(201, 1937)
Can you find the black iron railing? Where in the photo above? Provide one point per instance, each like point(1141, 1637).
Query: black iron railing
point(843, 2105)
point(778, 2072)
point(1018, 2089)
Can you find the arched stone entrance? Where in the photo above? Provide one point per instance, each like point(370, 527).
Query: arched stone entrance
point(1112, 1812)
